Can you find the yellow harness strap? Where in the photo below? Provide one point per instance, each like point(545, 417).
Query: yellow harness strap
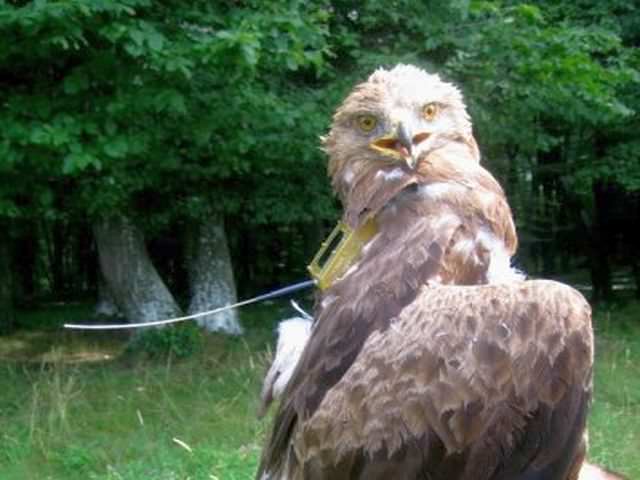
point(339, 251)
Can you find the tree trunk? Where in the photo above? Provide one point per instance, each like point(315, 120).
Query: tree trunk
point(25, 254)
point(85, 262)
point(106, 305)
point(548, 163)
point(602, 243)
point(6, 290)
point(58, 244)
point(211, 276)
point(137, 289)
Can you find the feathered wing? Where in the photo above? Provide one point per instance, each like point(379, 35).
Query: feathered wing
point(482, 382)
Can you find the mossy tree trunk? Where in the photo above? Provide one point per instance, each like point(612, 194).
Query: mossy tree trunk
point(137, 289)
point(211, 280)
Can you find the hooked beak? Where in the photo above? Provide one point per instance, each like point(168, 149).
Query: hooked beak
point(400, 144)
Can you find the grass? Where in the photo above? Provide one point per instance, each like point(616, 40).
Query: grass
point(85, 409)
point(76, 406)
point(614, 424)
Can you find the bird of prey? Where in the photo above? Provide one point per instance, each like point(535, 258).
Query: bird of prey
point(430, 357)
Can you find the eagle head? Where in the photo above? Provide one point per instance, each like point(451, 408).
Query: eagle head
point(388, 124)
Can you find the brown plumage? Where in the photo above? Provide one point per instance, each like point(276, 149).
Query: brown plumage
point(431, 358)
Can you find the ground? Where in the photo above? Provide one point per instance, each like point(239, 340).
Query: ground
point(77, 406)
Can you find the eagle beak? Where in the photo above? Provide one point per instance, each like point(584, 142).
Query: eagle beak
point(404, 137)
point(401, 144)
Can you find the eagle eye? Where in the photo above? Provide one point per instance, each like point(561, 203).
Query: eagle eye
point(430, 110)
point(367, 122)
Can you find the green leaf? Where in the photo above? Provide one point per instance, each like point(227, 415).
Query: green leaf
point(77, 162)
point(117, 147)
point(155, 40)
point(138, 37)
point(250, 54)
point(75, 83)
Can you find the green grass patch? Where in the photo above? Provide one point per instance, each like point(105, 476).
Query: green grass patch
point(80, 406)
point(614, 424)
point(68, 414)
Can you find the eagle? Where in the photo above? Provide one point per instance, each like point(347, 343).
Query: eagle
point(430, 357)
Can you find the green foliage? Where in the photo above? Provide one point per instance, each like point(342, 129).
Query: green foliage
point(174, 111)
point(619, 166)
point(116, 98)
point(547, 77)
point(179, 341)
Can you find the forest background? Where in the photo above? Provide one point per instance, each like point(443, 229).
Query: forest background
point(141, 132)
point(162, 157)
